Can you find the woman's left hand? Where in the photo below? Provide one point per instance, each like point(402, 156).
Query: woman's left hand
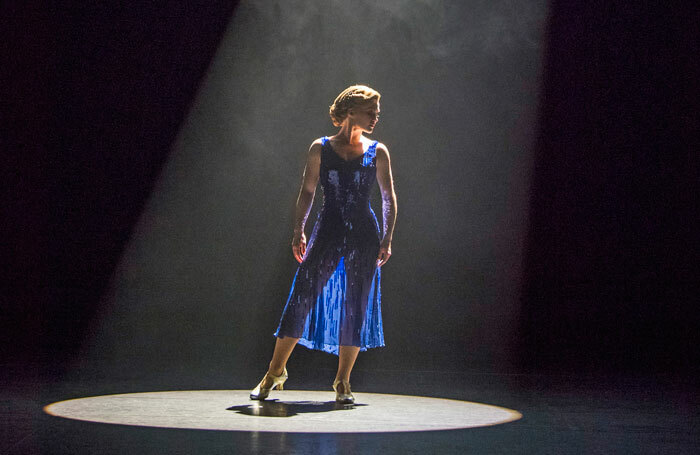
point(384, 253)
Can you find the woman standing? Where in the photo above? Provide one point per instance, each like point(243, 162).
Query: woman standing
point(334, 302)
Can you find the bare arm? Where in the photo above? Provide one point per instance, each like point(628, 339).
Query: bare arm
point(389, 209)
point(306, 199)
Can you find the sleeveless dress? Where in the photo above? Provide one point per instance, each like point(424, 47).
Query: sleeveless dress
point(335, 296)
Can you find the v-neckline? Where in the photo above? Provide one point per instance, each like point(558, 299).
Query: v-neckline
point(343, 159)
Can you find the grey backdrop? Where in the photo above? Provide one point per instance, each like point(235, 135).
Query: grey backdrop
point(203, 281)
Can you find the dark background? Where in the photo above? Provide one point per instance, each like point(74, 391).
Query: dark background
point(545, 161)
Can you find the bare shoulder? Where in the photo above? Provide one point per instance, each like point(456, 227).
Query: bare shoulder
point(315, 147)
point(382, 151)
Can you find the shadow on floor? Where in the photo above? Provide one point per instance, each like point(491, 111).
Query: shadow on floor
point(275, 408)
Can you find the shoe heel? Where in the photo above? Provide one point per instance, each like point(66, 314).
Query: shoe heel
point(346, 397)
point(259, 393)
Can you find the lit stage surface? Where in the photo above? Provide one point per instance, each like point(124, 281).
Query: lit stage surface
point(298, 411)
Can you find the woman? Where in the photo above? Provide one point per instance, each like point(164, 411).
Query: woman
point(334, 303)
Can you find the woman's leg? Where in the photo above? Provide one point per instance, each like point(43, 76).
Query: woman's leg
point(283, 349)
point(346, 360)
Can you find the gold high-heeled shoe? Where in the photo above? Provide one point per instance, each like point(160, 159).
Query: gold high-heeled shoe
point(260, 393)
point(346, 396)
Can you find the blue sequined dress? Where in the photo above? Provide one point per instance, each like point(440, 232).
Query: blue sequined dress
point(335, 296)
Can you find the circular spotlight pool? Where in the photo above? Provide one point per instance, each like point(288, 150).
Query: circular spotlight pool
point(297, 411)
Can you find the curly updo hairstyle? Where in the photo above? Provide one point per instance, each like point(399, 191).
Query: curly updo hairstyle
point(353, 96)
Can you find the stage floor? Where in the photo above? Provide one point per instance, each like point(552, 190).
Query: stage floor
point(396, 412)
point(298, 411)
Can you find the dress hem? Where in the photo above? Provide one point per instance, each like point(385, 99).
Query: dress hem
point(329, 348)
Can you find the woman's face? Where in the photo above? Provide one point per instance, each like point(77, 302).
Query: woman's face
point(366, 117)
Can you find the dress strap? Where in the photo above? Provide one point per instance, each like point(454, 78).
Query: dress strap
point(372, 150)
point(370, 156)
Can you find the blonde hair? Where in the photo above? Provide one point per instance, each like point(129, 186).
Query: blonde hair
point(353, 96)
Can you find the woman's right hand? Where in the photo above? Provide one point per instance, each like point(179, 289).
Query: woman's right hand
point(299, 246)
